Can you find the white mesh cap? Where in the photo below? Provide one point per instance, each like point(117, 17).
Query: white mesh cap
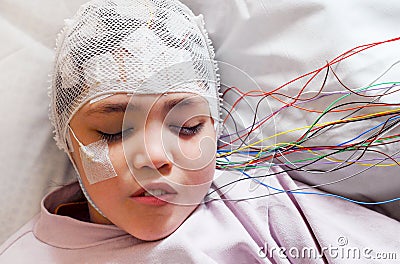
point(131, 46)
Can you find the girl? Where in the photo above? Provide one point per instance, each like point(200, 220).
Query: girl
point(135, 105)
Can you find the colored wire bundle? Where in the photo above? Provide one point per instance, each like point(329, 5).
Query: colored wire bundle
point(314, 147)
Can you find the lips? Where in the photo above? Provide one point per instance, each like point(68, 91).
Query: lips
point(155, 194)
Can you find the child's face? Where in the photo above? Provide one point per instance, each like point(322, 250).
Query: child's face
point(168, 144)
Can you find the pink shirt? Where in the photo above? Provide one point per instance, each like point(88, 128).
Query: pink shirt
point(282, 228)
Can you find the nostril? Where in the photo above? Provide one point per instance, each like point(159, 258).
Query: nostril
point(164, 169)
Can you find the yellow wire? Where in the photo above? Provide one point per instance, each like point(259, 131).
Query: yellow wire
point(326, 158)
point(307, 127)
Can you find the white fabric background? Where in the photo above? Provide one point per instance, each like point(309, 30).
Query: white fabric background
point(271, 41)
point(30, 162)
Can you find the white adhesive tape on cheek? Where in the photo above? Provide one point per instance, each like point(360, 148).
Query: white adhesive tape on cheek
point(96, 162)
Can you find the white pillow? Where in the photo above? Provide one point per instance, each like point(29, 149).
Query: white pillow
point(31, 164)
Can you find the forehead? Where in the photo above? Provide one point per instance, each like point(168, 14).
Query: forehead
point(120, 103)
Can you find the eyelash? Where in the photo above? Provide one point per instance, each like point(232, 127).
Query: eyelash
point(188, 131)
point(110, 138)
point(182, 131)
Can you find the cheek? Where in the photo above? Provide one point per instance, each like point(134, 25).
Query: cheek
point(117, 157)
point(106, 190)
point(196, 153)
point(202, 177)
point(78, 163)
point(204, 145)
point(195, 185)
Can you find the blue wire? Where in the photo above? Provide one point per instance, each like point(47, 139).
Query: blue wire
point(316, 193)
point(242, 152)
point(321, 194)
point(375, 127)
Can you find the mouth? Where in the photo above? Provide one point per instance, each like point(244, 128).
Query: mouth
point(155, 194)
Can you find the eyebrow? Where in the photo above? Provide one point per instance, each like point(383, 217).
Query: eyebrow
point(107, 108)
point(181, 102)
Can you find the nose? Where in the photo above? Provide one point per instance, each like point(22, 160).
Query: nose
point(151, 151)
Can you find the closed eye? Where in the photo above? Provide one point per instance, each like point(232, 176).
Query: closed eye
point(186, 131)
point(111, 138)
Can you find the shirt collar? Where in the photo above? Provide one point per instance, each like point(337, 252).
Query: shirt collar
point(66, 232)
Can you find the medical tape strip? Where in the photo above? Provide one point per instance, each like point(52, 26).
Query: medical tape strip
point(95, 160)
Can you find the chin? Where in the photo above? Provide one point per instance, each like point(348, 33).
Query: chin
point(162, 227)
point(154, 234)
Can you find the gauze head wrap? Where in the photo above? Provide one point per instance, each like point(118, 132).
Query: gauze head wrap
point(135, 47)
